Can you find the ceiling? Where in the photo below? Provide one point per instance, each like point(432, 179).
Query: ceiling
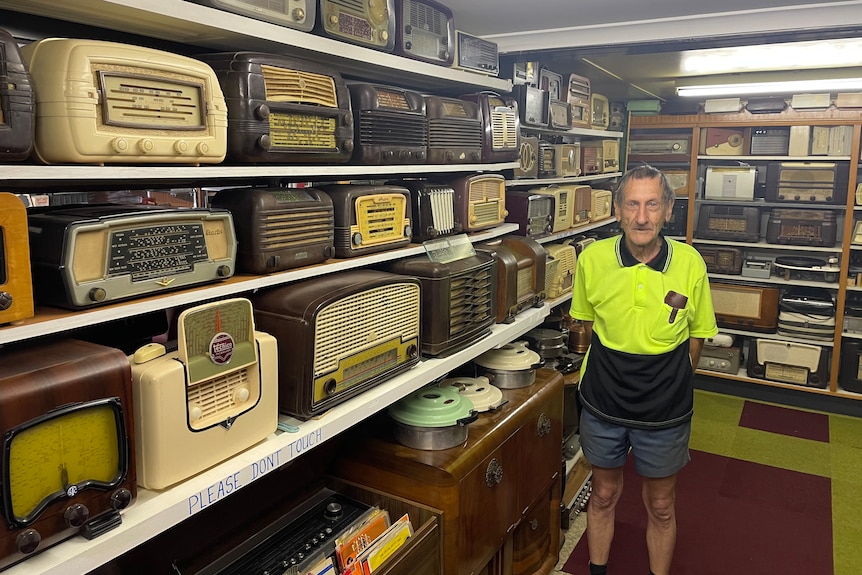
point(636, 49)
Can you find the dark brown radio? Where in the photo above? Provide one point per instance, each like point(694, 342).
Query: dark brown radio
point(17, 111)
point(850, 369)
point(68, 442)
point(528, 158)
point(454, 131)
point(677, 225)
point(801, 227)
point(747, 307)
point(369, 23)
point(458, 300)
point(521, 265)
point(480, 201)
point(369, 219)
point(725, 222)
point(501, 126)
point(533, 212)
point(807, 182)
point(426, 31)
point(339, 334)
point(532, 105)
point(390, 125)
point(283, 109)
point(279, 228)
point(788, 362)
point(721, 260)
point(559, 115)
point(659, 148)
point(432, 209)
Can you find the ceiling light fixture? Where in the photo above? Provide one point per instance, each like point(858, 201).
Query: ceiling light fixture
point(789, 87)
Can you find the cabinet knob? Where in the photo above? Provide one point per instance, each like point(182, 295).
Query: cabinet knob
point(493, 473)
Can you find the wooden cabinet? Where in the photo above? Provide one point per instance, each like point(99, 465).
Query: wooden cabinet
point(499, 492)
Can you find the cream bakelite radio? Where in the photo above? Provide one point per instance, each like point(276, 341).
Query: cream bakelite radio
point(559, 282)
point(215, 396)
point(564, 205)
point(568, 160)
point(600, 204)
point(100, 102)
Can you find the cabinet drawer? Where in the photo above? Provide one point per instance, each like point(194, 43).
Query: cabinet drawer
point(539, 444)
point(537, 537)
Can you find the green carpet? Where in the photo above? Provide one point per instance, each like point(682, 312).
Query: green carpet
point(716, 429)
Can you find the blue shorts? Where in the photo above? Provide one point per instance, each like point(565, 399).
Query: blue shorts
point(657, 452)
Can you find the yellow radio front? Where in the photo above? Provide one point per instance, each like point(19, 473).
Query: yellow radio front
point(107, 102)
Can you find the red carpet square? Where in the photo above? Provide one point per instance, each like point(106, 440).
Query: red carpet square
point(734, 517)
point(785, 421)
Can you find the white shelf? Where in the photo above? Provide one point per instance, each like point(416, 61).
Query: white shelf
point(780, 158)
point(574, 231)
point(197, 25)
point(776, 280)
point(154, 512)
point(588, 132)
point(760, 335)
point(569, 180)
point(764, 245)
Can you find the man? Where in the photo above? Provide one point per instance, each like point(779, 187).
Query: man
point(645, 303)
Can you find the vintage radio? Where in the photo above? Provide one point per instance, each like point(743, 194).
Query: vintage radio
point(559, 283)
point(599, 111)
point(747, 307)
point(298, 14)
point(85, 255)
point(722, 105)
point(756, 268)
point(213, 397)
point(279, 228)
point(369, 218)
point(816, 182)
point(369, 23)
point(564, 205)
point(850, 368)
point(721, 260)
point(425, 31)
point(801, 227)
point(678, 180)
point(17, 121)
point(432, 209)
point(677, 224)
point(547, 159)
point(646, 107)
point(722, 141)
point(500, 126)
point(610, 156)
point(458, 300)
point(806, 325)
point(105, 102)
point(581, 242)
point(730, 182)
point(568, 160)
point(767, 105)
point(583, 205)
point(480, 201)
point(525, 73)
point(16, 286)
point(552, 82)
point(476, 54)
point(528, 159)
point(521, 263)
point(807, 268)
point(659, 148)
point(283, 109)
point(339, 334)
point(390, 125)
point(728, 222)
point(454, 131)
point(788, 362)
point(533, 212)
point(720, 359)
point(601, 203)
point(68, 461)
point(592, 157)
point(559, 115)
point(532, 105)
point(578, 96)
point(810, 101)
point(770, 141)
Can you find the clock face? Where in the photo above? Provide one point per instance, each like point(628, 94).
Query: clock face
point(58, 456)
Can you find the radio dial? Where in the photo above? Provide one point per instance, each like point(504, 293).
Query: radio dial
point(27, 541)
point(146, 146)
point(203, 148)
point(76, 515)
point(298, 14)
point(181, 147)
point(261, 112)
point(408, 45)
point(5, 300)
point(98, 294)
point(224, 271)
point(121, 498)
point(264, 142)
point(356, 239)
point(120, 145)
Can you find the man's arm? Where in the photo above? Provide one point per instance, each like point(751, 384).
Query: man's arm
point(695, 346)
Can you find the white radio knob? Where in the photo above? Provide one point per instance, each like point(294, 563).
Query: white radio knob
point(120, 145)
point(146, 146)
point(203, 148)
point(241, 395)
point(181, 146)
point(711, 363)
point(195, 412)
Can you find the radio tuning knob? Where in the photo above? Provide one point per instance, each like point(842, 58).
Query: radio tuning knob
point(333, 20)
point(356, 239)
point(5, 300)
point(224, 271)
point(241, 395)
point(121, 498)
point(261, 112)
point(27, 541)
point(264, 142)
point(195, 412)
point(181, 147)
point(203, 148)
point(146, 146)
point(97, 294)
point(384, 35)
point(348, 146)
point(298, 14)
point(120, 145)
point(408, 45)
point(333, 510)
point(76, 515)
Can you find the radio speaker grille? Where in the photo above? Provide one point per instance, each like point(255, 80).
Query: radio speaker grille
point(427, 18)
point(292, 229)
point(504, 130)
point(462, 133)
point(363, 320)
point(470, 300)
point(355, 5)
point(284, 85)
point(392, 129)
point(487, 190)
point(217, 397)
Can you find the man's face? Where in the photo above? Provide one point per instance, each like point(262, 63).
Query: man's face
point(642, 212)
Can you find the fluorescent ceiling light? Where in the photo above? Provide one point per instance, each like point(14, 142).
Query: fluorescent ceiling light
point(835, 53)
point(790, 87)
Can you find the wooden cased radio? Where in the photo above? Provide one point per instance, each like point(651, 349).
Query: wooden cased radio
point(806, 182)
point(425, 31)
point(600, 111)
point(651, 148)
point(369, 219)
point(561, 281)
point(721, 259)
point(747, 307)
point(454, 131)
point(298, 14)
point(521, 264)
point(340, 334)
point(802, 227)
point(592, 157)
point(564, 205)
point(85, 255)
point(728, 222)
point(279, 228)
point(283, 109)
point(501, 126)
point(16, 285)
point(850, 369)
point(458, 300)
point(583, 205)
point(677, 224)
point(68, 464)
point(390, 126)
point(480, 201)
point(17, 115)
point(369, 23)
point(533, 212)
point(432, 209)
point(106, 102)
point(213, 397)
